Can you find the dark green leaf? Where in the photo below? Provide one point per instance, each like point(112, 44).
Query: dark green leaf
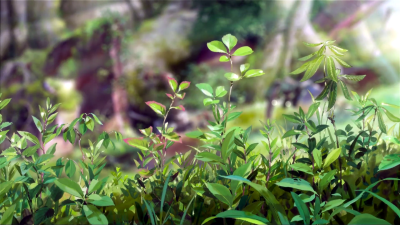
point(302, 207)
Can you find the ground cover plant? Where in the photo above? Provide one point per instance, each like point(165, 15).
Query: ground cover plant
point(311, 173)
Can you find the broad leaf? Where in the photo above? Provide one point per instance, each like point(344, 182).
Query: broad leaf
point(230, 41)
point(389, 161)
point(254, 73)
point(232, 76)
point(94, 215)
point(332, 156)
point(69, 186)
point(296, 183)
point(216, 46)
point(221, 192)
point(367, 219)
point(206, 89)
point(157, 107)
point(242, 51)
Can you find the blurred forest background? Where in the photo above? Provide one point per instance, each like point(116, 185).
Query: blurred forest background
point(110, 56)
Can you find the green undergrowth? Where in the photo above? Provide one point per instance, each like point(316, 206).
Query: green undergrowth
point(307, 170)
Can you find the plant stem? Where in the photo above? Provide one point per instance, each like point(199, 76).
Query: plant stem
point(270, 159)
point(164, 150)
point(370, 133)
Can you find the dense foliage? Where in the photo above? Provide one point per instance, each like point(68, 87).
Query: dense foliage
point(307, 174)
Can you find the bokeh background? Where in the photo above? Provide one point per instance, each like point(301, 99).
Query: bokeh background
point(110, 56)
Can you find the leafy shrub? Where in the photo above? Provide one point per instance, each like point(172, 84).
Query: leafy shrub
point(303, 175)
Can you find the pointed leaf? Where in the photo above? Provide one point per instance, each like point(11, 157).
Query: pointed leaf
point(242, 51)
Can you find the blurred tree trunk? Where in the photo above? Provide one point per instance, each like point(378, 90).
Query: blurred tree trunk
point(119, 95)
point(279, 50)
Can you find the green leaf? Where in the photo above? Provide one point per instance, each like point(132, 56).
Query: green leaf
point(338, 49)
point(164, 192)
point(388, 203)
point(4, 103)
point(366, 189)
point(391, 105)
point(227, 145)
point(100, 200)
point(302, 167)
point(253, 73)
point(51, 118)
point(381, 123)
point(302, 68)
point(3, 136)
point(345, 90)
point(30, 137)
point(354, 78)
point(325, 91)
point(216, 46)
point(292, 133)
point(69, 186)
point(243, 171)
point(43, 158)
point(292, 118)
point(312, 68)
point(305, 58)
point(206, 89)
point(187, 208)
point(209, 157)
point(232, 76)
point(37, 123)
point(242, 51)
point(332, 95)
point(275, 207)
point(389, 161)
point(331, 68)
point(157, 107)
point(332, 156)
point(244, 67)
point(367, 219)
point(30, 151)
point(312, 45)
point(239, 215)
point(139, 143)
point(390, 116)
point(183, 85)
point(172, 83)
point(70, 168)
point(332, 204)
point(94, 186)
point(93, 215)
point(302, 207)
point(326, 180)
point(221, 192)
point(220, 91)
point(313, 108)
point(224, 58)
point(296, 183)
point(317, 157)
point(42, 214)
point(8, 215)
point(234, 115)
point(341, 62)
point(230, 41)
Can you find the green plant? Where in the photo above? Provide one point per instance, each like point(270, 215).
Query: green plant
point(302, 175)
